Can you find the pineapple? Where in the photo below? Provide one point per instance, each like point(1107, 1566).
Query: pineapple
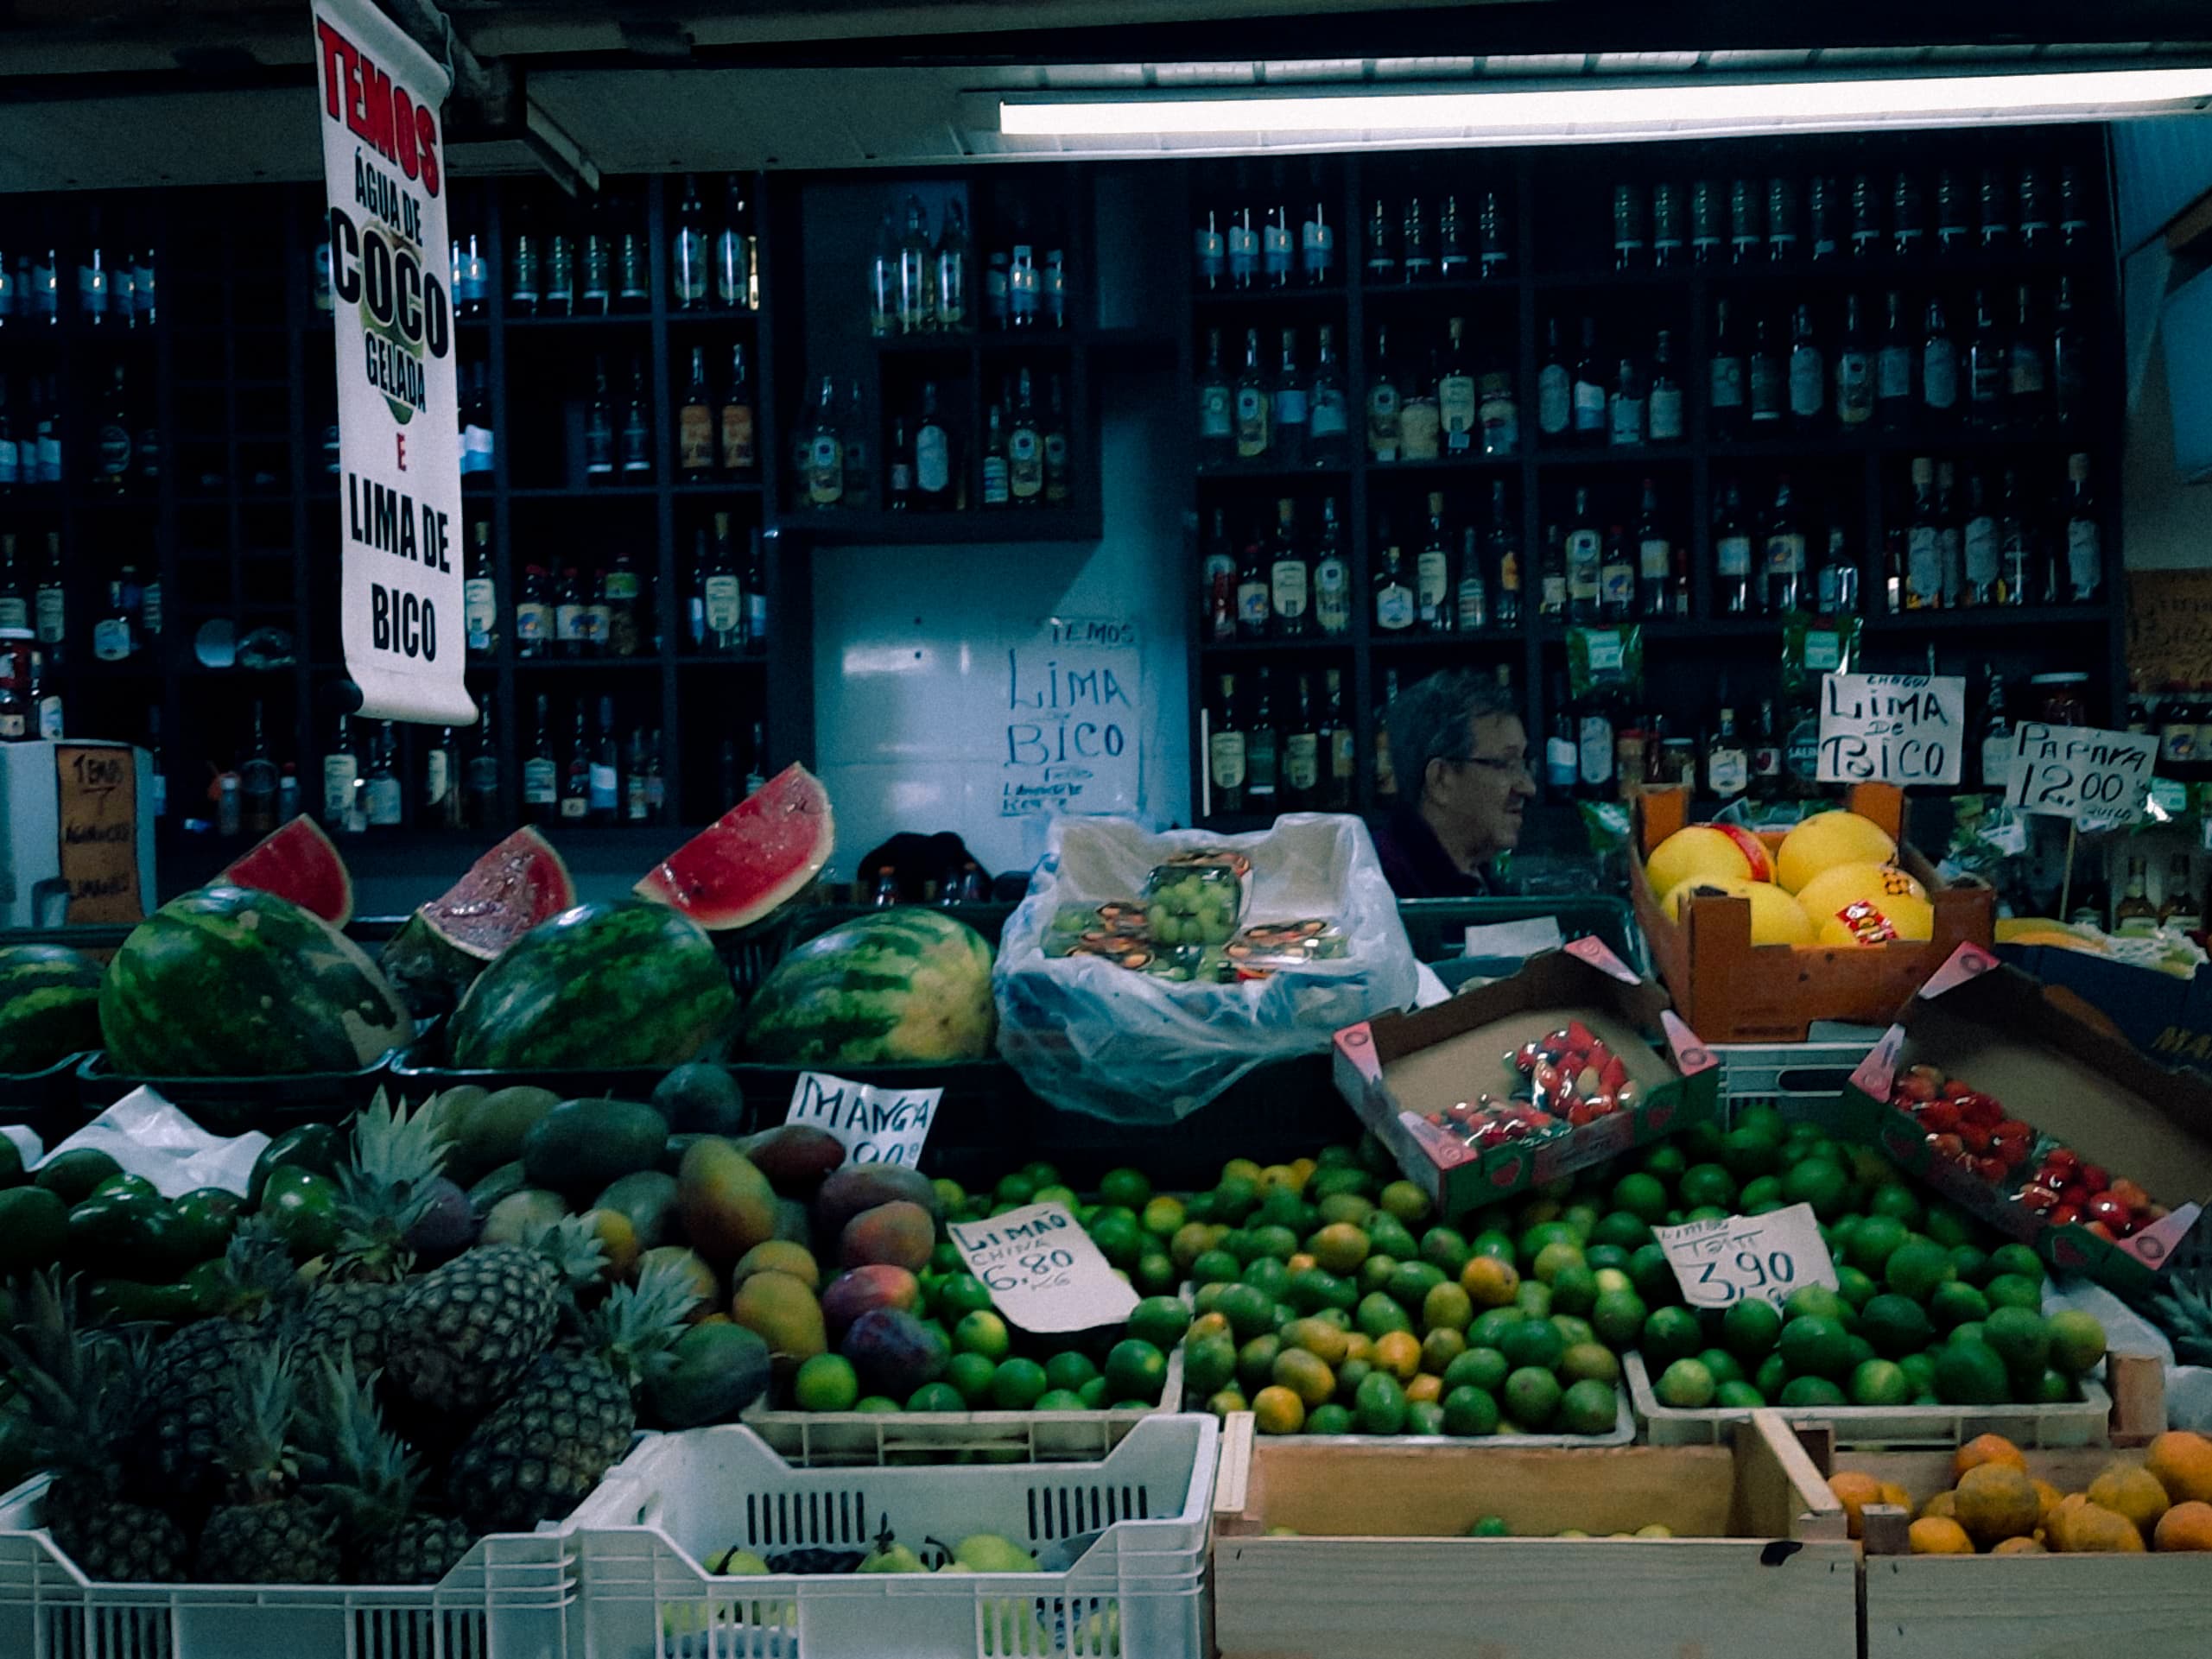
point(2185, 1312)
point(384, 1190)
point(80, 1391)
point(463, 1335)
point(542, 1449)
point(268, 1531)
point(376, 1482)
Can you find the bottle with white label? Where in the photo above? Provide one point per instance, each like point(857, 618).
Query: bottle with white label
point(1290, 579)
point(15, 604)
point(1225, 750)
point(1924, 556)
point(1996, 737)
point(1554, 405)
point(606, 777)
point(1332, 575)
point(1663, 404)
point(1384, 417)
point(1457, 411)
point(1317, 241)
point(1808, 373)
point(1585, 550)
point(1939, 367)
point(1727, 766)
point(1732, 553)
point(341, 778)
point(112, 638)
point(479, 598)
point(384, 805)
point(1327, 419)
point(49, 605)
point(441, 795)
point(2084, 543)
point(1432, 573)
point(540, 778)
point(723, 593)
point(1980, 547)
point(1394, 601)
point(1216, 422)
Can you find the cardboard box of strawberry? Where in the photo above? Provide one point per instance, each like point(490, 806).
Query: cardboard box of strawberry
point(1570, 1077)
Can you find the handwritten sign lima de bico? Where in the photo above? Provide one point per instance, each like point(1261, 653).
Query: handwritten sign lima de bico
point(1042, 1270)
point(97, 797)
point(1072, 715)
point(2079, 772)
point(1892, 728)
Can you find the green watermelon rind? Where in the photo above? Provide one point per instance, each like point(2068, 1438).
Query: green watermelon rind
point(603, 987)
point(49, 1006)
point(232, 982)
point(906, 985)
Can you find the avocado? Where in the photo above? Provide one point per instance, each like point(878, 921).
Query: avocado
point(581, 1146)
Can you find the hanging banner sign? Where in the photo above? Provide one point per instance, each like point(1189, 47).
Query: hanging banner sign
point(399, 446)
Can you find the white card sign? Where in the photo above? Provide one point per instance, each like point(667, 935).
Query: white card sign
point(398, 428)
point(876, 1125)
point(1072, 715)
point(1892, 728)
point(2079, 772)
point(1042, 1270)
point(1747, 1257)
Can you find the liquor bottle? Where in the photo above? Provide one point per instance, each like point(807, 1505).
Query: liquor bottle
point(1216, 422)
point(1217, 584)
point(687, 269)
point(1456, 410)
point(1471, 598)
point(1985, 369)
point(1745, 233)
point(595, 280)
point(634, 442)
point(1288, 409)
point(634, 778)
point(558, 296)
point(1302, 753)
point(949, 260)
point(14, 471)
point(722, 591)
point(113, 636)
point(1554, 388)
point(1432, 573)
point(1769, 382)
point(1923, 559)
point(913, 292)
point(2134, 916)
point(1252, 406)
point(657, 782)
point(695, 454)
point(1328, 425)
point(382, 795)
point(1551, 580)
point(257, 781)
point(1808, 374)
point(1225, 755)
point(1950, 535)
point(1854, 372)
point(1212, 250)
point(1705, 222)
point(1907, 223)
point(1340, 756)
point(2073, 209)
point(1893, 367)
point(1559, 756)
point(1022, 289)
point(1025, 447)
point(571, 633)
point(1452, 260)
point(1996, 217)
point(1254, 607)
point(45, 425)
point(470, 288)
point(1727, 766)
point(1394, 601)
point(899, 482)
point(756, 763)
point(633, 290)
point(480, 792)
point(1263, 749)
point(736, 449)
point(1663, 407)
point(1584, 558)
point(826, 451)
point(996, 275)
point(599, 430)
point(1666, 225)
point(2178, 907)
point(534, 620)
point(2070, 381)
point(1382, 246)
point(15, 605)
point(1939, 367)
point(1332, 574)
point(1822, 211)
point(1420, 421)
point(1275, 240)
point(1616, 578)
point(1594, 750)
point(1835, 585)
point(1765, 755)
point(441, 795)
point(1289, 581)
point(933, 454)
point(1786, 552)
point(1317, 238)
point(618, 621)
point(1497, 414)
point(480, 596)
point(606, 776)
point(1243, 248)
point(1505, 554)
point(2016, 577)
point(1950, 215)
point(341, 778)
point(44, 286)
point(995, 481)
point(1627, 228)
point(575, 797)
point(1385, 430)
point(1588, 393)
point(1725, 377)
point(882, 278)
point(756, 591)
point(1981, 547)
point(1996, 736)
point(141, 286)
point(1416, 259)
point(1624, 407)
point(2084, 543)
point(1655, 563)
point(160, 803)
point(2026, 383)
point(111, 441)
point(733, 249)
point(1781, 221)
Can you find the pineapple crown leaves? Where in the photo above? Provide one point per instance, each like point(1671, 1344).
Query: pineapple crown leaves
point(2186, 1314)
point(257, 1451)
point(571, 1246)
point(637, 1325)
point(260, 1275)
point(80, 1389)
point(385, 1186)
point(349, 1457)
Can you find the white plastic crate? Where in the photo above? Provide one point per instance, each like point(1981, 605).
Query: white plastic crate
point(1136, 1589)
point(1785, 1074)
point(513, 1597)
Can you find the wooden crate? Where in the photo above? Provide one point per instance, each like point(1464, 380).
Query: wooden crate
point(1760, 1567)
point(1731, 991)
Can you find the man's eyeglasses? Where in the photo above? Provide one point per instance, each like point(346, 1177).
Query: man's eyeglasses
point(1523, 763)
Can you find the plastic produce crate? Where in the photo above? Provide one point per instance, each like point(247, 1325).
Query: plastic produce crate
point(231, 1106)
point(1437, 928)
point(514, 1597)
point(1786, 1075)
point(1760, 1565)
point(1137, 1523)
point(421, 1068)
point(46, 1102)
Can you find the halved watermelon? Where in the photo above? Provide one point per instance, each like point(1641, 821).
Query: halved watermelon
point(298, 863)
point(752, 859)
point(446, 943)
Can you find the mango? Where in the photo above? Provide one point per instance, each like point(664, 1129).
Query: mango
point(704, 1284)
point(649, 1199)
point(489, 1132)
point(860, 1186)
point(714, 1371)
point(512, 1216)
point(796, 1157)
point(893, 1351)
point(777, 1255)
point(580, 1146)
point(855, 1292)
point(726, 1204)
point(897, 1234)
point(783, 1312)
point(794, 1224)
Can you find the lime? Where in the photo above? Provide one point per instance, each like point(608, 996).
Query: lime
point(1494, 1243)
point(1274, 1241)
point(1470, 1411)
point(1897, 1201)
point(1411, 1283)
point(1815, 1300)
point(982, 1333)
point(932, 1397)
point(1872, 1241)
point(970, 1374)
point(1208, 1364)
point(1440, 1347)
point(1316, 1287)
point(1481, 1368)
point(1532, 1398)
point(1424, 1417)
point(1255, 1361)
point(1588, 1362)
point(1215, 1266)
point(1919, 1370)
point(1160, 1321)
point(1653, 1275)
point(1573, 1330)
point(1860, 1350)
point(1760, 1194)
point(1130, 1188)
point(1880, 1383)
point(1405, 1201)
point(1969, 1332)
point(827, 1383)
point(1856, 1289)
point(962, 1293)
point(1770, 1376)
point(1378, 1316)
point(1163, 1217)
point(1575, 1288)
point(1589, 1407)
point(1069, 1369)
point(1750, 1330)
point(1070, 1400)
point(1971, 1374)
point(1707, 1183)
point(1814, 1346)
point(1671, 1334)
point(1374, 1275)
point(1915, 1268)
point(1135, 1370)
point(1954, 1304)
point(1447, 1307)
point(1533, 1298)
point(1724, 1366)
point(1349, 1375)
point(1250, 1311)
point(1443, 1247)
point(1738, 1396)
point(1618, 1318)
point(1686, 1385)
point(1555, 1259)
point(1339, 1247)
point(1268, 1276)
point(2019, 1338)
point(2017, 1261)
point(2053, 1388)
point(1618, 1230)
point(1532, 1343)
point(1812, 1391)
point(1642, 1196)
point(877, 1405)
point(1386, 1235)
point(1330, 1419)
point(1154, 1274)
point(1896, 1326)
point(2014, 1290)
point(1491, 1324)
point(1342, 1209)
point(1971, 1264)
point(2078, 1341)
point(1666, 1160)
point(1819, 1183)
point(1747, 1153)
point(1380, 1408)
point(1223, 1403)
point(1019, 1384)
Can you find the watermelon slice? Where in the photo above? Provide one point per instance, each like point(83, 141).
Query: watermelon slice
point(446, 943)
point(754, 859)
point(298, 863)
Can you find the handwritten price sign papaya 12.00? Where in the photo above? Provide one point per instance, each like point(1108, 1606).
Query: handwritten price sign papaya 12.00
point(1042, 1270)
point(2077, 772)
point(1892, 728)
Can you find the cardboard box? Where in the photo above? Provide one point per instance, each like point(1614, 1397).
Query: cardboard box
point(2168, 1018)
point(1396, 1068)
point(1731, 991)
point(2052, 1069)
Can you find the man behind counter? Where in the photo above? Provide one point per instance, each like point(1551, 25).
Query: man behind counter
point(1461, 755)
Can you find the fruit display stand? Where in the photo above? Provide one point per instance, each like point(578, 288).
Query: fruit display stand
point(1758, 1563)
point(45, 1102)
point(1122, 1541)
point(231, 1105)
point(1731, 991)
point(1799, 1080)
point(512, 1597)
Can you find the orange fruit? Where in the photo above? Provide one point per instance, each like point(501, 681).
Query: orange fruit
point(2129, 1488)
point(1933, 1535)
point(2019, 1546)
point(1398, 1352)
point(1854, 1492)
point(2185, 1526)
point(1944, 1506)
point(1997, 1502)
point(1894, 1494)
point(1986, 1448)
point(1276, 1411)
point(1425, 1387)
point(1490, 1282)
point(2182, 1463)
point(2088, 1528)
point(2051, 1497)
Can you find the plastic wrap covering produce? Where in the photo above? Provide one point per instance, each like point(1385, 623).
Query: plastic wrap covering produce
point(1162, 1015)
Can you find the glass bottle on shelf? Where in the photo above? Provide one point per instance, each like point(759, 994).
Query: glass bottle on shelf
point(950, 257)
point(1225, 756)
point(1893, 367)
point(1808, 373)
point(1252, 405)
point(1383, 404)
point(733, 249)
point(826, 451)
point(1332, 575)
point(571, 634)
point(341, 779)
point(1950, 535)
point(2179, 906)
point(1254, 606)
point(1585, 552)
point(2084, 542)
point(2068, 368)
point(1985, 369)
point(633, 779)
point(1289, 578)
point(1216, 421)
point(736, 445)
point(599, 430)
point(1025, 447)
point(1432, 572)
point(687, 267)
point(1470, 606)
point(481, 800)
point(2026, 381)
point(1727, 765)
point(479, 595)
point(1768, 382)
point(933, 456)
point(1327, 419)
point(441, 795)
point(1504, 548)
point(1732, 554)
point(1786, 552)
point(606, 773)
point(257, 781)
point(1923, 554)
point(1339, 755)
point(997, 476)
point(1996, 736)
point(1725, 377)
point(113, 638)
point(1394, 608)
point(1381, 262)
point(722, 593)
point(1655, 569)
point(882, 278)
point(2135, 916)
point(1301, 752)
point(1663, 404)
point(1551, 582)
point(1980, 550)
point(622, 633)
point(1317, 239)
point(1263, 748)
point(575, 800)
point(1854, 372)
point(633, 288)
point(1217, 584)
point(1554, 388)
point(1456, 408)
point(1624, 407)
point(1616, 578)
point(756, 589)
point(2016, 575)
point(1939, 367)
point(696, 448)
point(913, 297)
point(634, 443)
point(1288, 407)
point(1765, 755)
point(49, 603)
point(383, 795)
point(1588, 393)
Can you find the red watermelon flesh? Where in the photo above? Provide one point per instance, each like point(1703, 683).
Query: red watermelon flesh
point(757, 857)
point(507, 891)
point(298, 863)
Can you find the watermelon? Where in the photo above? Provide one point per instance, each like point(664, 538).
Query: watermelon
point(228, 982)
point(49, 1006)
point(903, 984)
point(755, 858)
point(437, 955)
point(298, 863)
point(600, 987)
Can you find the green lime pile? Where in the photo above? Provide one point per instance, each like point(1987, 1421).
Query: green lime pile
point(1328, 1301)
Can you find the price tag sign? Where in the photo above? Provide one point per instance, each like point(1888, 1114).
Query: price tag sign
point(1892, 728)
point(876, 1125)
point(97, 793)
point(2079, 772)
point(1042, 1270)
point(1747, 1257)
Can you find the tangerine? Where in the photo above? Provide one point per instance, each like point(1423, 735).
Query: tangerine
point(2183, 1462)
point(1986, 1448)
point(2129, 1488)
point(1854, 1492)
point(1934, 1535)
point(2185, 1526)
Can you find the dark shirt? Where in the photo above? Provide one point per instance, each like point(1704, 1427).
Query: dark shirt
point(1415, 864)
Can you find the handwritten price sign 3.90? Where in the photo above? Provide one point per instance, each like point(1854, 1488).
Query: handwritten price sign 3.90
point(1747, 1257)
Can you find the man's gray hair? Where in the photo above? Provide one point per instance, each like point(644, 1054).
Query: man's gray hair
point(1431, 721)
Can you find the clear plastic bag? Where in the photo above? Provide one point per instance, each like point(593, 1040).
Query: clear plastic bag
point(1089, 1035)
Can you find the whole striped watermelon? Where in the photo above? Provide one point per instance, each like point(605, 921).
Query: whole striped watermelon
point(227, 982)
point(49, 1005)
point(902, 986)
point(602, 987)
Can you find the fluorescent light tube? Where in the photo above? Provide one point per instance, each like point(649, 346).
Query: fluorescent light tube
point(1597, 110)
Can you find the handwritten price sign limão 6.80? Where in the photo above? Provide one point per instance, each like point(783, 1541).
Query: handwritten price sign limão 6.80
point(1042, 1270)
